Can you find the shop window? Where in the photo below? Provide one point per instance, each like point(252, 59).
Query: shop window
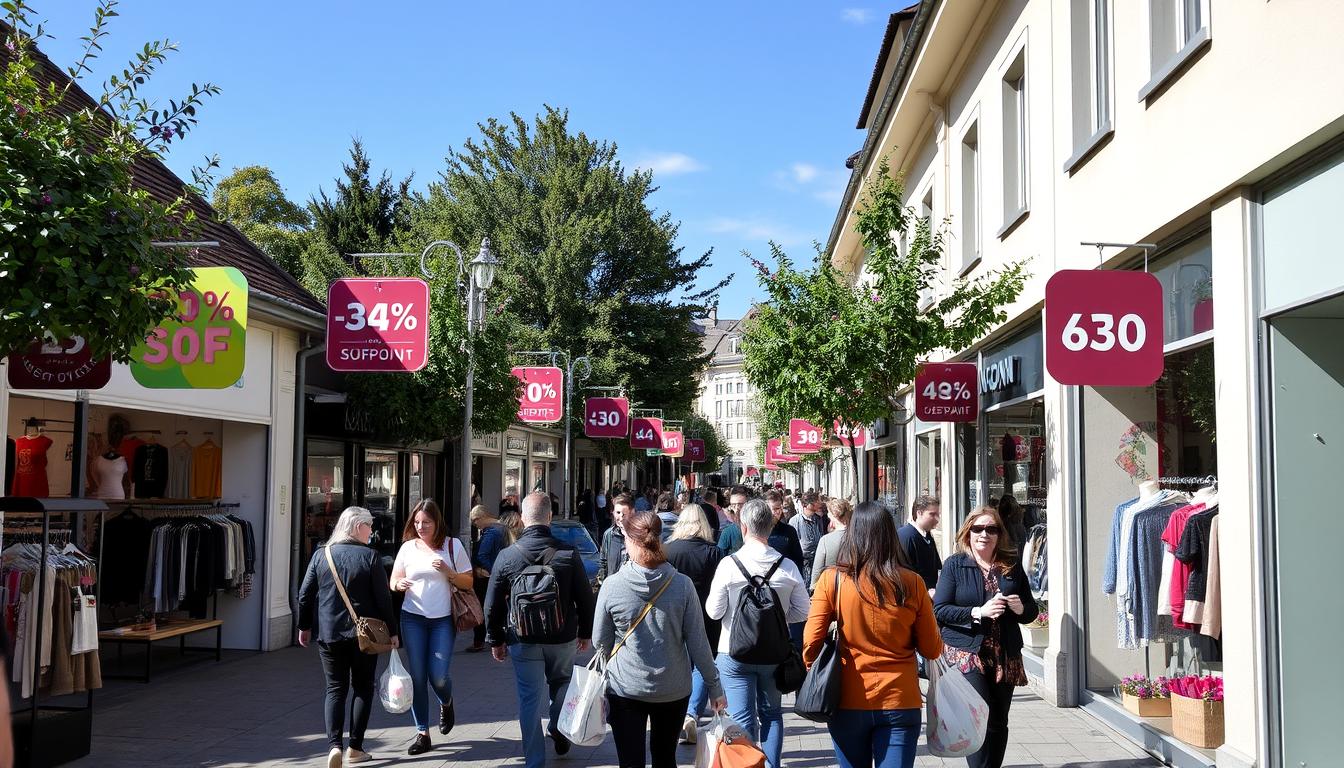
point(324, 493)
point(380, 498)
point(1149, 487)
point(1015, 439)
point(538, 476)
point(968, 446)
point(513, 477)
point(1187, 283)
point(929, 464)
point(887, 477)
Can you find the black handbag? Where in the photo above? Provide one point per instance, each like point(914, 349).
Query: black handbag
point(789, 675)
point(819, 697)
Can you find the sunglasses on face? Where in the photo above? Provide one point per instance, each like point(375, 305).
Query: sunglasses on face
point(992, 530)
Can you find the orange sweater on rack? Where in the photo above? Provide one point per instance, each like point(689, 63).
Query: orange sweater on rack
point(877, 661)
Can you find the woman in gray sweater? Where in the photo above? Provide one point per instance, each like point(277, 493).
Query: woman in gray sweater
point(649, 623)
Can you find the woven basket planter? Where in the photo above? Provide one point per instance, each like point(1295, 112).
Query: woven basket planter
point(1196, 721)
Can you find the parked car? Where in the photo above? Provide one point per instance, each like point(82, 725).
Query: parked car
point(573, 533)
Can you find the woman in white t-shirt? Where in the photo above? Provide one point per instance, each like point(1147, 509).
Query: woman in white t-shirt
point(428, 565)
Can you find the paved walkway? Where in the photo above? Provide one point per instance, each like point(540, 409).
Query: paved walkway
point(266, 710)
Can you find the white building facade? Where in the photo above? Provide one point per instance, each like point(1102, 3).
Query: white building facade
point(1215, 132)
point(726, 396)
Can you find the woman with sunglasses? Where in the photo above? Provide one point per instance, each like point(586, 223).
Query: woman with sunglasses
point(981, 600)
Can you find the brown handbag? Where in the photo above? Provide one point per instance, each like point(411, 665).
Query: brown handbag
point(467, 611)
point(372, 634)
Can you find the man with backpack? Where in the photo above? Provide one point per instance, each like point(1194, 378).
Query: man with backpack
point(538, 602)
point(756, 593)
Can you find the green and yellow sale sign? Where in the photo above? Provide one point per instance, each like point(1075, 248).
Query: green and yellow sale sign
point(204, 345)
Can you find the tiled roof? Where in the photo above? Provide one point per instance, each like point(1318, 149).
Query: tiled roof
point(893, 23)
point(234, 250)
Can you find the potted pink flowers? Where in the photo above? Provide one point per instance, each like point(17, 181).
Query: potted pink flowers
point(1038, 631)
point(1197, 710)
point(1145, 696)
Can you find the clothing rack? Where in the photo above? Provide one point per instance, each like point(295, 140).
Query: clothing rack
point(1195, 480)
point(71, 728)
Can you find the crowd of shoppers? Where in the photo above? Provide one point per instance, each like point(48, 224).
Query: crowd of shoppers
point(673, 571)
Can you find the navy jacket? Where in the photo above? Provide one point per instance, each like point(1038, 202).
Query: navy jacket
point(921, 555)
point(784, 540)
point(961, 587)
point(576, 594)
point(320, 604)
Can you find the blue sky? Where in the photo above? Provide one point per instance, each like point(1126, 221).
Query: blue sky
point(745, 111)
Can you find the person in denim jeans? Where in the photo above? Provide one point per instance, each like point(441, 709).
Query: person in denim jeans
point(753, 697)
point(541, 666)
point(428, 565)
point(885, 616)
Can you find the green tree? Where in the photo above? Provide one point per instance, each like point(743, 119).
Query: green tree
point(589, 268)
point(364, 215)
point(76, 232)
point(826, 350)
point(252, 200)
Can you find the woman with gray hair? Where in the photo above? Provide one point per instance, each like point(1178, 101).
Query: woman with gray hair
point(753, 696)
point(692, 551)
point(320, 604)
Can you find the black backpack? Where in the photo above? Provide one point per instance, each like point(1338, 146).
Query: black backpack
point(535, 614)
point(760, 633)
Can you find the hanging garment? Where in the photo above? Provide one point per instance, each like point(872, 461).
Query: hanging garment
point(1180, 571)
point(9, 467)
point(206, 462)
point(1194, 551)
point(1213, 595)
point(179, 470)
point(30, 466)
point(151, 471)
point(1144, 568)
point(107, 477)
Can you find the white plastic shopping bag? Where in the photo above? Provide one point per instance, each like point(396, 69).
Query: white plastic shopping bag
point(394, 688)
point(583, 717)
point(84, 637)
point(724, 738)
point(957, 715)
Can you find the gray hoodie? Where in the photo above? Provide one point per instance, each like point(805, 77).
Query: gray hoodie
point(654, 665)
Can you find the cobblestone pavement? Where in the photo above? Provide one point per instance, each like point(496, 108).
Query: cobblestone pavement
point(266, 710)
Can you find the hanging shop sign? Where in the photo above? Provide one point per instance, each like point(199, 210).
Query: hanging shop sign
point(775, 452)
point(674, 445)
point(540, 402)
point(946, 392)
point(646, 432)
point(850, 434)
point(606, 417)
point(1103, 328)
point(65, 364)
point(1012, 369)
point(378, 324)
point(204, 345)
point(695, 450)
point(753, 472)
point(804, 436)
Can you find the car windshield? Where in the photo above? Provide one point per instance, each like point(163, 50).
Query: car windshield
point(575, 536)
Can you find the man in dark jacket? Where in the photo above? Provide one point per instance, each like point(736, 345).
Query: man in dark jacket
point(545, 662)
point(784, 538)
point(921, 551)
point(612, 555)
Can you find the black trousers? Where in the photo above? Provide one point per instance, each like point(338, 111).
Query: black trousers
point(999, 697)
point(631, 718)
point(479, 585)
point(347, 667)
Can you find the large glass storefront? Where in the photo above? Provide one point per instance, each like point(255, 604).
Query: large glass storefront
point(1149, 485)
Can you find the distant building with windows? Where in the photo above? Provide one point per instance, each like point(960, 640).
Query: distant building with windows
point(725, 394)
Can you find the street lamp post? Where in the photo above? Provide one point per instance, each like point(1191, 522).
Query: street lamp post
point(479, 276)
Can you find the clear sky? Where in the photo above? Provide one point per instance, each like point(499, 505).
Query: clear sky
point(744, 110)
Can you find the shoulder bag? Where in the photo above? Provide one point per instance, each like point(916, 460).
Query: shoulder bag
point(647, 607)
point(467, 611)
point(819, 697)
point(372, 634)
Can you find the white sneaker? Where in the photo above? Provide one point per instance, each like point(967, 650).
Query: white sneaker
point(353, 756)
point(334, 758)
point(688, 730)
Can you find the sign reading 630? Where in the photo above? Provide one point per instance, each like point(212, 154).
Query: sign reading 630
point(1103, 328)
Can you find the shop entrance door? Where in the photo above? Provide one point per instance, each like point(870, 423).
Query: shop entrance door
point(1307, 379)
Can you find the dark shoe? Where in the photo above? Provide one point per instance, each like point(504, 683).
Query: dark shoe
point(562, 744)
point(447, 718)
point(421, 745)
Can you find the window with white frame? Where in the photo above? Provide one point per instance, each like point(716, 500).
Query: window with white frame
point(718, 409)
point(926, 214)
point(970, 197)
point(1014, 88)
point(1090, 67)
point(1175, 30)
point(732, 345)
point(739, 387)
point(718, 389)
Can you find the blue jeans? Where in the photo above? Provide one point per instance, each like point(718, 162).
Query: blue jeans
point(540, 671)
point(875, 738)
point(753, 701)
point(429, 651)
point(699, 694)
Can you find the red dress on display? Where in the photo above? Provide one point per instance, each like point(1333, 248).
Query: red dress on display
point(30, 469)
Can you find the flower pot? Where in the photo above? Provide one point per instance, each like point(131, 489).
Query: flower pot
point(1037, 637)
point(1203, 316)
point(1146, 707)
point(1196, 721)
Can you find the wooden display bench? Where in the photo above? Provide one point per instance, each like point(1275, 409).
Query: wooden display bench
point(166, 629)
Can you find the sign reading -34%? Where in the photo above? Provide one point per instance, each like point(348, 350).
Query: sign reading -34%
point(378, 324)
point(946, 392)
